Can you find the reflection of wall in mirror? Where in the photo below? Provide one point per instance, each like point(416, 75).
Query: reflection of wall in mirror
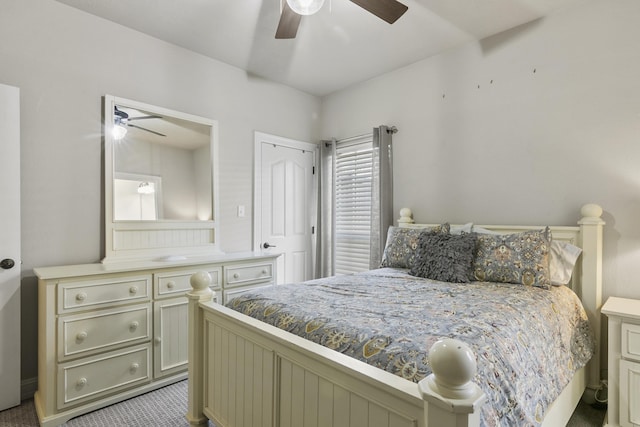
point(185, 175)
point(202, 163)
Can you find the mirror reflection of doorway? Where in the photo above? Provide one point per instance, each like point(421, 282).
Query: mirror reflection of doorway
point(137, 197)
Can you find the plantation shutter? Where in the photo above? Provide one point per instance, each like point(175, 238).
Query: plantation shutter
point(353, 186)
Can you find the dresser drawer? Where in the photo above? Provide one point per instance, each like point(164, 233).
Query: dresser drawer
point(245, 274)
point(87, 333)
point(102, 375)
point(178, 282)
point(74, 296)
point(631, 341)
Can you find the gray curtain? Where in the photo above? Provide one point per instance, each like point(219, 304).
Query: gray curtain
point(381, 192)
point(324, 242)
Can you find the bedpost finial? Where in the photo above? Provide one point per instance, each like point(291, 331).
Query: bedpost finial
point(454, 366)
point(200, 281)
point(591, 210)
point(591, 215)
point(406, 216)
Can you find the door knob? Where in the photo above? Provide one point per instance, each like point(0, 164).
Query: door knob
point(8, 263)
point(266, 245)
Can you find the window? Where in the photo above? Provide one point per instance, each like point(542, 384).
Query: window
point(355, 203)
point(353, 184)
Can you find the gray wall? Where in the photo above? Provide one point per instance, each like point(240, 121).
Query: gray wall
point(522, 128)
point(64, 61)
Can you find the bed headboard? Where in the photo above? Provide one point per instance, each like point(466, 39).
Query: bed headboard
point(586, 281)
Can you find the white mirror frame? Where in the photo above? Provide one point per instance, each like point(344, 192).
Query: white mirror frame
point(162, 240)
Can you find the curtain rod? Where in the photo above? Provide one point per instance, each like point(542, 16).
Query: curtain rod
point(390, 129)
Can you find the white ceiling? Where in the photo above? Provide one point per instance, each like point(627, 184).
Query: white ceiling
point(341, 45)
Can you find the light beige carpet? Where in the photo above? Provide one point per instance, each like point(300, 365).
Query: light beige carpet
point(165, 407)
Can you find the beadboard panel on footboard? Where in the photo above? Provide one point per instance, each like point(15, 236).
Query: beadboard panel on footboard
point(240, 380)
point(312, 401)
point(246, 380)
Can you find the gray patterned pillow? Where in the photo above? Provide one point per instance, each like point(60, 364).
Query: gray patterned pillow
point(445, 257)
point(400, 249)
point(521, 258)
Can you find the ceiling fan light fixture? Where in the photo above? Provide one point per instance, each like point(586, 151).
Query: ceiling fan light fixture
point(305, 7)
point(146, 188)
point(119, 131)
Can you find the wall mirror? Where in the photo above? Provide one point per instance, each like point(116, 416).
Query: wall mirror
point(160, 182)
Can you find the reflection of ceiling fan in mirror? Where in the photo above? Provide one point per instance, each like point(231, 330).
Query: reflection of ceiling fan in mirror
point(292, 11)
point(122, 119)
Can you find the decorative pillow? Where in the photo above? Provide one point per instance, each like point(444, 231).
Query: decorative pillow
point(521, 258)
point(445, 257)
point(401, 245)
point(563, 258)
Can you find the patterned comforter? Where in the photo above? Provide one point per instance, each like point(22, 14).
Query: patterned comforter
point(528, 341)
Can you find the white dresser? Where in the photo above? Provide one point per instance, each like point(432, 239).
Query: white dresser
point(624, 361)
point(107, 332)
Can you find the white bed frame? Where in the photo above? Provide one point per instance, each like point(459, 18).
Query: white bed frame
point(243, 372)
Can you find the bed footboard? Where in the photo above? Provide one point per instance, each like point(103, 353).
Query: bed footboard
point(243, 372)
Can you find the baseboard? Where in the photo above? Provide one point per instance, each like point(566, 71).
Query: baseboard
point(28, 388)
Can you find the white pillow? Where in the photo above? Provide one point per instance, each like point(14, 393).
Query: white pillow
point(459, 229)
point(478, 229)
point(563, 258)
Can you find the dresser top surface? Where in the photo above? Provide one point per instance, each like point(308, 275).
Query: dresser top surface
point(622, 307)
point(63, 271)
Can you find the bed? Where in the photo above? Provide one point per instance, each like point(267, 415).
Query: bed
point(245, 371)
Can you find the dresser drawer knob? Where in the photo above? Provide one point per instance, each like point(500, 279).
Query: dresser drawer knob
point(264, 271)
point(134, 325)
point(134, 367)
point(81, 336)
point(236, 275)
point(171, 284)
point(133, 290)
point(81, 382)
point(81, 296)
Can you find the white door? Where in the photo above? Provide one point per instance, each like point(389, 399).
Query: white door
point(285, 214)
point(9, 246)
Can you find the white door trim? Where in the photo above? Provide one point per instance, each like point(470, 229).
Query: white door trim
point(10, 359)
point(259, 138)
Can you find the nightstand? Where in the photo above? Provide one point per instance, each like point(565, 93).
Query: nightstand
point(624, 361)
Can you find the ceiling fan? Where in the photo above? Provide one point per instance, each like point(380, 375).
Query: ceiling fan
point(292, 11)
point(122, 119)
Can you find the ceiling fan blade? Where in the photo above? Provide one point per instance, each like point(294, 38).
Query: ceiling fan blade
point(289, 23)
point(144, 118)
point(145, 129)
point(387, 10)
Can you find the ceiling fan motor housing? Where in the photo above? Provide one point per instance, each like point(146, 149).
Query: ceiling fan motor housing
point(387, 10)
